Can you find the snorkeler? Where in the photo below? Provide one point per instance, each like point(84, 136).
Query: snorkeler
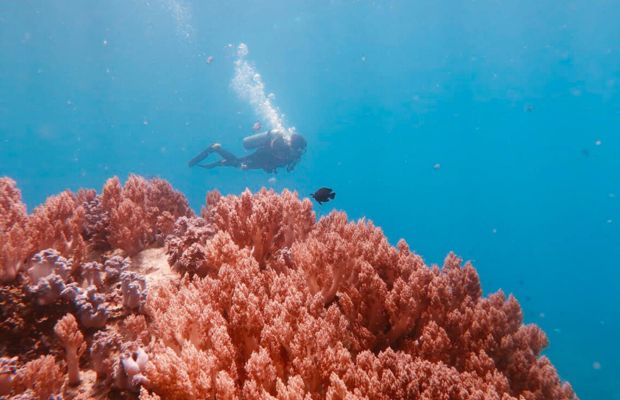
point(273, 150)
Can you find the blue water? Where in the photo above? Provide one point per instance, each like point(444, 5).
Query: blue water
point(490, 128)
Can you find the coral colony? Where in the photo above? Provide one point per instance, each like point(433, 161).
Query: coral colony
point(128, 294)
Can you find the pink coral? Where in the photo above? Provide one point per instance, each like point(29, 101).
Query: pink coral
point(333, 305)
point(57, 224)
point(141, 213)
point(264, 222)
point(40, 378)
point(13, 234)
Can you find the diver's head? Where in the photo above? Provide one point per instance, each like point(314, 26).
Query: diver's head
point(298, 143)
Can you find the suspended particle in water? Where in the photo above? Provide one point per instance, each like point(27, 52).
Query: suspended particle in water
point(609, 221)
point(145, 122)
point(611, 195)
point(541, 315)
point(494, 231)
point(598, 142)
point(596, 365)
point(363, 58)
point(437, 166)
point(272, 180)
point(257, 126)
point(105, 42)
point(529, 108)
point(210, 59)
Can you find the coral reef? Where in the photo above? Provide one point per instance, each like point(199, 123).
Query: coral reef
point(254, 299)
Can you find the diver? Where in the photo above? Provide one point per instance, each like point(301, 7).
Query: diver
point(274, 150)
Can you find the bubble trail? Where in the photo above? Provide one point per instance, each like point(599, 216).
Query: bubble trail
point(182, 15)
point(248, 84)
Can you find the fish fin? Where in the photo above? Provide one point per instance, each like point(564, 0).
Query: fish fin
point(332, 195)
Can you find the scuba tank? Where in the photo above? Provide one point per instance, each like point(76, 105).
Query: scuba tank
point(257, 140)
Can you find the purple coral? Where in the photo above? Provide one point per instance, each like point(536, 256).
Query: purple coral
point(133, 286)
point(114, 266)
point(48, 276)
point(188, 231)
point(92, 310)
point(92, 272)
point(96, 220)
point(8, 368)
point(130, 368)
point(103, 352)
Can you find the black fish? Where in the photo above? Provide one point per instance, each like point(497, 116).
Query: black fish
point(323, 195)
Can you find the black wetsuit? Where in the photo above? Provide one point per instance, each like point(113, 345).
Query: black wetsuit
point(275, 154)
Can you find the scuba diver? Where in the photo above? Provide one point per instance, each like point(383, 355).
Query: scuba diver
point(273, 150)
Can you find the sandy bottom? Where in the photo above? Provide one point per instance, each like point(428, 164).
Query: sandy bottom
point(153, 264)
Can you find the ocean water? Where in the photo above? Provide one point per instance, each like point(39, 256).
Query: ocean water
point(487, 128)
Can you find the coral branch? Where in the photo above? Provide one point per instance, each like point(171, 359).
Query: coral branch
point(73, 341)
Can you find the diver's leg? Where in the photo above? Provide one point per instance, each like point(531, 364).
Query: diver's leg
point(226, 155)
point(204, 154)
point(220, 163)
point(228, 159)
